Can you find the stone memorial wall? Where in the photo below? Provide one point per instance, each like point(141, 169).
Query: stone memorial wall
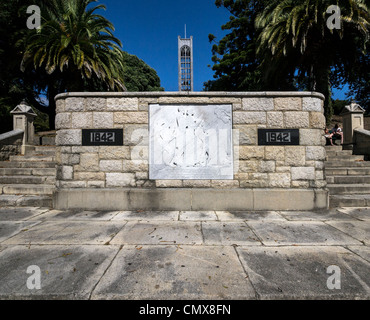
point(190, 151)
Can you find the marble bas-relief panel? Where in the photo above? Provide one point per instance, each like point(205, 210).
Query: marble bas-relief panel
point(190, 142)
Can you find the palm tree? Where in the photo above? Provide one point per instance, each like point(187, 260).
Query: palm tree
point(295, 37)
point(74, 50)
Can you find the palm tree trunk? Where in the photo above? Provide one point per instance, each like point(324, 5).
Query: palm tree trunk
point(322, 85)
point(52, 106)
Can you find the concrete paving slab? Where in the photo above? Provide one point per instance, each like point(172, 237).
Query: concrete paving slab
point(230, 233)
point(71, 232)
point(66, 272)
point(357, 212)
point(9, 229)
point(197, 215)
point(7, 199)
point(328, 215)
point(300, 233)
point(248, 215)
point(175, 272)
point(357, 229)
point(78, 215)
point(302, 272)
point(18, 214)
point(362, 251)
point(167, 232)
point(147, 215)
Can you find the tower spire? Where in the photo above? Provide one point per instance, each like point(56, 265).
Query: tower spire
point(185, 31)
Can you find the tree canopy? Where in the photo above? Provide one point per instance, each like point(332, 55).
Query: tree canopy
point(287, 45)
point(73, 50)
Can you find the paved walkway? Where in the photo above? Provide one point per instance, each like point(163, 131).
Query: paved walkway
point(184, 255)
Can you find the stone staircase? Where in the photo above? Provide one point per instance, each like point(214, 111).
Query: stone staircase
point(28, 180)
point(348, 178)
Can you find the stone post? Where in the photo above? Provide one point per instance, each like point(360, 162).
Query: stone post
point(23, 117)
point(353, 118)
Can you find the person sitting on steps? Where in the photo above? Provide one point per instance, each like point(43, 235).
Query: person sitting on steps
point(329, 136)
point(337, 133)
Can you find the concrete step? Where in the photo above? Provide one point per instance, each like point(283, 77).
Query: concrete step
point(346, 163)
point(25, 201)
point(351, 200)
point(348, 179)
point(27, 172)
point(45, 148)
point(338, 152)
point(344, 157)
point(32, 158)
point(27, 180)
point(27, 189)
point(27, 164)
point(348, 188)
point(347, 171)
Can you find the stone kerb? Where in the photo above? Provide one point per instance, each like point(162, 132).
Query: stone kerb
point(279, 168)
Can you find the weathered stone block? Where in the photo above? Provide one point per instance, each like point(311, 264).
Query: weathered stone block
point(312, 104)
point(197, 183)
point(120, 179)
point(248, 166)
point(82, 120)
point(64, 172)
point(130, 117)
point(135, 134)
point(69, 137)
point(303, 173)
point(249, 117)
point(315, 153)
point(88, 162)
point(274, 153)
point(95, 184)
point(247, 134)
point(224, 184)
point(257, 104)
point(296, 119)
point(110, 165)
point(135, 165)
point(291, 103)
point(122, 104)
point(72, 184)
point(95, 104)
point(60, 105)
point(295, 156)
point(311, 137)
point(96, 176)
point(251, 152)
point(317, 120)
point(74, 105)
point(102, 120)
point(168, 183)
point(266, 166)
point(275, 119)
point(69, 158)
point(279, 180)
point(63, 121)
point(114, 153)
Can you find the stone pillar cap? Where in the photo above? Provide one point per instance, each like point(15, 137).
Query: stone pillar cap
point(23, 108)
point(352, 108)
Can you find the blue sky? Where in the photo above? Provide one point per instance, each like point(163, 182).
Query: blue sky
point(149, 30)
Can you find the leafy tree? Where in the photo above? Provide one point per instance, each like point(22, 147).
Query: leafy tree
point(74, 50)
point(286, 45)
point(73, 46)
point(138, 76)
point(234, 56)
point(295, 37)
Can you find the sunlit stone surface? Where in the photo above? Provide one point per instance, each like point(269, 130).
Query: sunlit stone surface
point(190, 142)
